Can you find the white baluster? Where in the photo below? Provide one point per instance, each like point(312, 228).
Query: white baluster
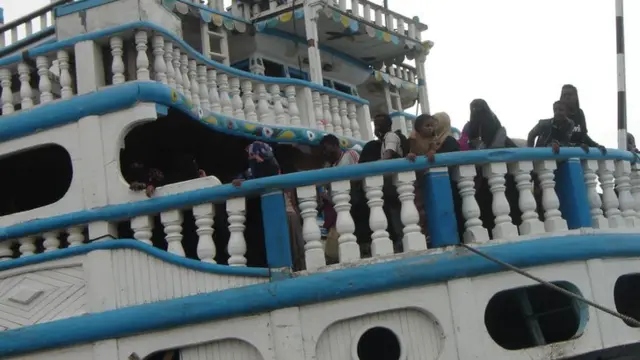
point(27, 246)
point(117, 64)
point(595, 203)
point(66, 82)
point(236, 100)
point(521, 172)
point(142, 227)
point(225, 99)
point(237, 246)
point(317, 108)
point(193, 80)
point(184, 70)
point(249, 106)
point(353, 119)
point(335, 115)
point(294, 113)
point(203, 89)
point(474, 231)
point(348, 247)
point(44, 83)
point(609, 198)
point(346, 124)
point(635, 189)
point(176, 68)
point(623, 186)
point(504, 228)
point(326, 114)
point(6, 253)
point(159, 64)
point(313, 250)
point(214, 98)
point(142, 60)
point(26, 93)
point(413, 239)
point(280, 116)
point(75, 237)
point(206, 249)
point(553, 221)
point(168, 60)
point(381, 244)
point(7, 93)
point(264, 115)
point(51, 241)
point(172, 222)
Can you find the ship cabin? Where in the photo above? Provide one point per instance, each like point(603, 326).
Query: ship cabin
point(94, 94)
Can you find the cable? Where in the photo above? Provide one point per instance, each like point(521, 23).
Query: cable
point(626, 318)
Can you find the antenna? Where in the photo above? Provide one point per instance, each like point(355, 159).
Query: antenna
point(622, 94)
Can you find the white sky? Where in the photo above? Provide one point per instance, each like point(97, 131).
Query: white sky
point(516, 54)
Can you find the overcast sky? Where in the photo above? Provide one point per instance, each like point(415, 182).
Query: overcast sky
point(516, 54)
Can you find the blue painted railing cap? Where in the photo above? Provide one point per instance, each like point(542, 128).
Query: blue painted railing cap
point(1, 16)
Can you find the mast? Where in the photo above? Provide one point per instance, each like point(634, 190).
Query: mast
point(622, 95)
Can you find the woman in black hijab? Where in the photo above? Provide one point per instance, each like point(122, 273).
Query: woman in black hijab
point(569, 96)
point(485, 130)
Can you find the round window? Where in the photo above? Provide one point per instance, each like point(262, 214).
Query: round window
point(379, 343)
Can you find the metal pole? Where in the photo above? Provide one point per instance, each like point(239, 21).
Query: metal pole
point(386, 4)
point(622, 95)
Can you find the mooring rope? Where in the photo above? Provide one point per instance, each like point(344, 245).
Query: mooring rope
point(557, 288)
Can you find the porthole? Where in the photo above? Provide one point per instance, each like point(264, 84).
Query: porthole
point(625, 296)
point(378, 343)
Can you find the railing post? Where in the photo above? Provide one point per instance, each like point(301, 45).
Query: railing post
point(438, 202)
point(572, 193)
point(276, 235)
point(89, 67)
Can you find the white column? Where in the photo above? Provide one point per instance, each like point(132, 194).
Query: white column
point(311, 12)
point(423, 96)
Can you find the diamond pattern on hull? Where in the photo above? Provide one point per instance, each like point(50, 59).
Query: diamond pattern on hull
point(41, 296)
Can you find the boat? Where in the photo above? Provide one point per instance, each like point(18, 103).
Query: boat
point(202, 269)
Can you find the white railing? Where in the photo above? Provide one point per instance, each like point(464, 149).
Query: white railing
point(29, 25)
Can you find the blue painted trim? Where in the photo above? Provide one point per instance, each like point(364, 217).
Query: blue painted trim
point(293, 71)
point(140, 25)
point(316, 288)
point(441, 215)
point(79, 5)
point(213, 11)
point(136, 245)
point(241, 64)
point(42, 34)
point(1, 16)
point(572, 193)
point(276, 230)
point(162, 110)
point(221, 193)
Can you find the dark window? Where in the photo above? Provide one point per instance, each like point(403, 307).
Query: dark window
point(297, 74)
point(626, 292)
point(378, 343)
point(342, 87)
point(533, 316)
point(33, 178)
point(242, 65)
point(327, 83)
point(273, 69)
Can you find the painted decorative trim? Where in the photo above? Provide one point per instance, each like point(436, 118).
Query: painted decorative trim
point(310, 289)
point(208, 15)
point(284, 17)
point(383, 77)
point(135, 245)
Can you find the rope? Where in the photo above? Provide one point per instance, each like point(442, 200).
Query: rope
point(626, 318)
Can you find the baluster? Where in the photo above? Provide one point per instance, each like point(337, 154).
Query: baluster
point(264, 115)
point(381, 244)
point(142, 227)
point(225, 98)
point(236, 100)
point(206, 249)
point(184, 70)
point(249, 106)
point(553, 221)
point(349, 248)
point(313, 249)
point(27, 246)
point(280, 116)
point(346, 124)
point(353, 119)
point(326, 114)
point(117, 63)
point(413, 239)
point(317, 108)
point(6, 253)
point(590, 178)
point(474, 231)
point(214, 98)
point(635, 189)
point(294, 113)
point(178, 72)
point(531, 224)
point(503, 228)
point(623, 186)
point(51, 241)
point(172, 222)
point(66, 91)
point(168, 60)
point(159, 64)
point(75, 237)
point(193, 80)
point(44, 84)
point(237, 246)
point(609, 198)
point(26, 93)
point(335, 115)
point(203, 90)
point(7, 93)
point(142, 61)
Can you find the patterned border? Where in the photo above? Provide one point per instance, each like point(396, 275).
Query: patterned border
point(393, 80)
point(207, 15)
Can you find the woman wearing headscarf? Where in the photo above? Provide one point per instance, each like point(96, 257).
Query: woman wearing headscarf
point(485, 130)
